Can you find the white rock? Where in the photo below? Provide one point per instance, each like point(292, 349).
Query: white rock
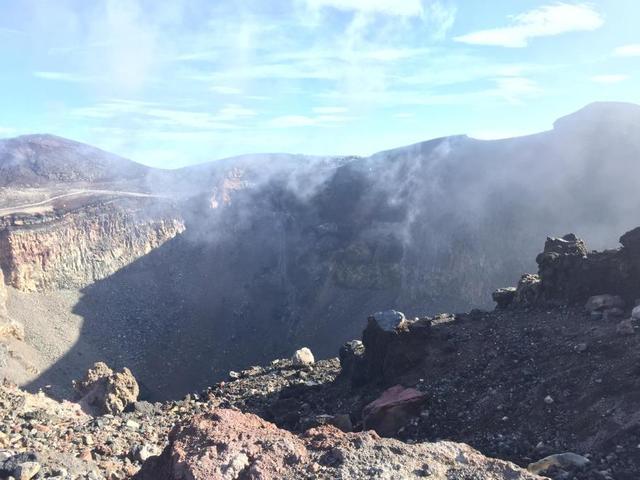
point(561, 460)
point(236, 465)
point(635, 313)
point(143, 452)
point(132, 425)
point(548, 399)
point(303, 357)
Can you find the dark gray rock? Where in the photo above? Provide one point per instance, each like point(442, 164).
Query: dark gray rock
point(351, 357)
point(389, 319)
point(9, 467)
point(604, 302)
point(631, 239)
point(504, 297)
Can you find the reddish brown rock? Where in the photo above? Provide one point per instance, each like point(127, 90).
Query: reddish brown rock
point(229, 445)
point(392, 410)
point(223, 445)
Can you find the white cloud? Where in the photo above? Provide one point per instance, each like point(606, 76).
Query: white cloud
point(153, 115)
point(401, 8)
point(132, 40)
point(544, 21)
point(196, 56)
point(513, 89)
point(10, 31)
point(60, 76)
point(332, 119)
point(609, 79)
point(402, 115)
point(392, 54)
point(632, 50)
point(442, 18)
point(118, 44)
point(232, 112)
point(287, 121)
point(324, 119)
point(224, 90)
point(329, 110)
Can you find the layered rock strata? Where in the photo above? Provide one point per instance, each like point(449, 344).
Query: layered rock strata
point(79, 247)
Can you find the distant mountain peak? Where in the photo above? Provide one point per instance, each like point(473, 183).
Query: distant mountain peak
point(40, 159)
point(598, 112)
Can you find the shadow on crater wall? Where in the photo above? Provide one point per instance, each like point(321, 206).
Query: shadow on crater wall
point(228, 293)
point(429, 228)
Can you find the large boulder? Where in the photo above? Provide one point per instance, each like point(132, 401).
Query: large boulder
point(104, 391)
point(529, 290)
point(229, 445)
point(303, 358)
point(527, 293)
point(226, 444)
point(388, 320)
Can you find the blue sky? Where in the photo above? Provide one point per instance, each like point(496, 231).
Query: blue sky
point(171, 83)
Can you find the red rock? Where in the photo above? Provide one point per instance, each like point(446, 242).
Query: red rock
point(392, 410)
point(221, 444)
point(229, 445)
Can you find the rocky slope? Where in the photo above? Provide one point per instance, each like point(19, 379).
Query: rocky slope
point(228, 444)
point(281, 251)
point(45, 160)
point(548, 380)
point(61, 441)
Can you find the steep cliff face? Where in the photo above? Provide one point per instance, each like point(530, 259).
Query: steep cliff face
point(76, 248)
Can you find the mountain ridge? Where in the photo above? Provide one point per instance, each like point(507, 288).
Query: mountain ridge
point(598, 108)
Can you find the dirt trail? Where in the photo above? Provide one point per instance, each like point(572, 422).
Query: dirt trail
point(38, 206)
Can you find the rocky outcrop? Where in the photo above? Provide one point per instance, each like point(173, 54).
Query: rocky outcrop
point(527, 293)
point(569, 273)
point(78, 247)
point(104, 391)
point(391, 344)
point(228, 445)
